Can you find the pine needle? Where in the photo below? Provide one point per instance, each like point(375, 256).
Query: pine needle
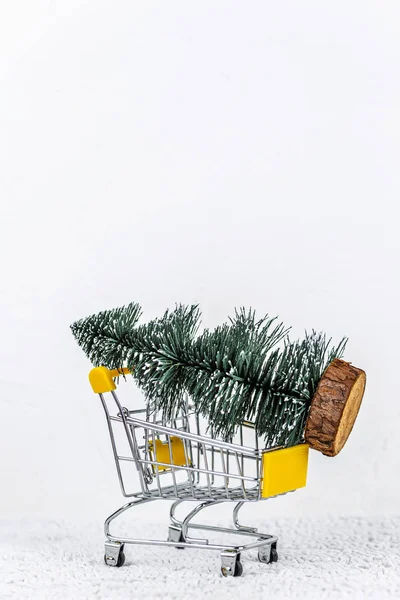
point(245, 369)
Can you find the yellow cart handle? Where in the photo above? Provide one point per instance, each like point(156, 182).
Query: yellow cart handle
point(102, 379)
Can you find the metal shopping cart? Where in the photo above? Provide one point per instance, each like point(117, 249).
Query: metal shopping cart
point(174, 461)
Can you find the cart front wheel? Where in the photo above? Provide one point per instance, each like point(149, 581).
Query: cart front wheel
point(274, 555)
point(235, 570)
point(238, 569)
point(111, 561)
point(268, 555)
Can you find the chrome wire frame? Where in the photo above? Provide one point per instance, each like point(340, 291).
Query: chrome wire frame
point(213, 471)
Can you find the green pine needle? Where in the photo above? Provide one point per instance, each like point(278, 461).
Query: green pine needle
point(246, 369)
point(104, 337)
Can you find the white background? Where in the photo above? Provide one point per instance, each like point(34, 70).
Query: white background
point(226, 153)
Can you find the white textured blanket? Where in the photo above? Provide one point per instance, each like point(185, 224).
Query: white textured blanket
point(332, 558)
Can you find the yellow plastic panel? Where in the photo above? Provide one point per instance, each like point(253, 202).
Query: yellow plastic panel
point(162, 452)
point(102, 379)
point(284, 470)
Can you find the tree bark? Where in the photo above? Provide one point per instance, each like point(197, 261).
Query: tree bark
point(334, 407)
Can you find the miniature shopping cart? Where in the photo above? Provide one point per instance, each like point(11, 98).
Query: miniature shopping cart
point(174, 461)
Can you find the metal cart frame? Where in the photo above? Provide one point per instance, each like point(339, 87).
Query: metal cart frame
point(174, 461)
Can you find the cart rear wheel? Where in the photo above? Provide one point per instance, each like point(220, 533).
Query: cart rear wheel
point(268, 555)
point(175, 536)
point(274, 555)
point(237, 571)
point(120, 560)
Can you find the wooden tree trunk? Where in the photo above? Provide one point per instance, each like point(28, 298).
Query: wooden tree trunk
point(334, 407)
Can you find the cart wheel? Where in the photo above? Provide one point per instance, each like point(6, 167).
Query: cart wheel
point(175, 535)
point(267, 555)
point(181, 539)
point(237, 571)
point(111, 562)
point(274, 555)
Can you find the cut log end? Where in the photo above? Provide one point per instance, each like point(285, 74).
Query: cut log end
point(334, 407)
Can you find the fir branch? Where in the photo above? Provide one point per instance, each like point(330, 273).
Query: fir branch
point(299, 368)
point(157, 356)
point(105, 336)
point(234, 373)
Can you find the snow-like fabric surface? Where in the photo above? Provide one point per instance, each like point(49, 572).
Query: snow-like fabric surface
point(331, 558)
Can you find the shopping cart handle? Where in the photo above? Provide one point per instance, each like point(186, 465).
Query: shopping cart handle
point(102, 379)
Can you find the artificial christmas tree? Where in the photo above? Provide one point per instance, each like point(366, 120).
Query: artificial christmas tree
point(244, 370)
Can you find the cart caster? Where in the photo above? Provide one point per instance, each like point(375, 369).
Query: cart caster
point(110, 561)
point(274, 555)
point(231, 564)
point(175, 536)
point(268, 554)
point(114, 555)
